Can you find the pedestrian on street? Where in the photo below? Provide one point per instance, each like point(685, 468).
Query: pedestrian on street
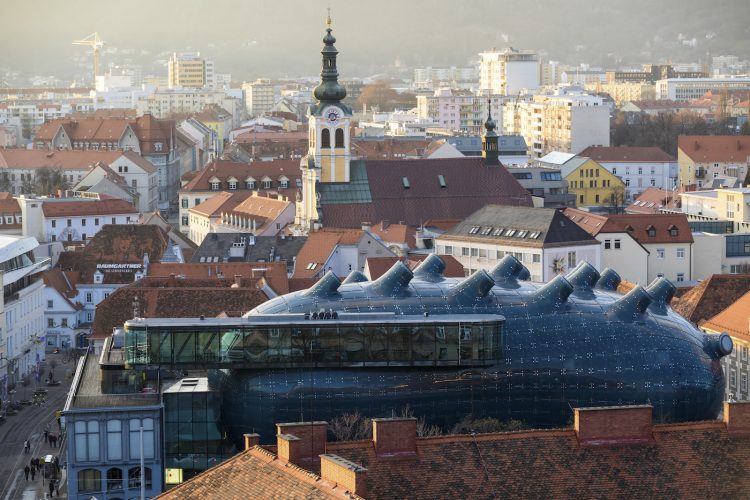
point(53, 437)
point(26, 472)
point(33, 473)
point(51, 487)
point(26, 446)
point(46, 435)
point(57, 488)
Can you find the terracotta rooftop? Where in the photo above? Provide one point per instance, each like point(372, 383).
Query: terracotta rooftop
point(388, 149)
point(652, 200)
point(591, 460)
point(734, 319)
point(715, 148)
point(637, 225)
point(78, 208)
point(395, 233)
point(172, 297)
point(116, 244)
point(414, 191)
point(375, 267)
point(319, 246)
point(712, 296)
point(223, 201)
point(223, 170)
point(9, 207)
point(624, 154)
point(274, 272)
point(64, 282)
point(261, 206)
point(55, 160)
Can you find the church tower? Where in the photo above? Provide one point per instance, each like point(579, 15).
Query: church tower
point(490, 151)
point(329, 120)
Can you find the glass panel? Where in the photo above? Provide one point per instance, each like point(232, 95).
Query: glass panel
point(353, 344)
point(184, 345)
point(208, 347)
point(327, 343)
point(447, 343)
point(231, 347)
point(256, 345)
point(399, 344)
point(423, 343)
point(377, 344)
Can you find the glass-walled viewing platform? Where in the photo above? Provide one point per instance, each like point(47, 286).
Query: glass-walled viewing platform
point(297, 340)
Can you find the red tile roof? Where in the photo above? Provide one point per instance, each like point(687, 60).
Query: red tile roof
point(637, 225)
point(223, 170)
point(319, 246)
point(733, 319)
point(62, 160)
point(388, 149)
point(169, 297)
point(395, 233)
point(64, 283)
point(715, 148)
point(9, 207)
point(78, 208)
point(623, 154)
point(275, 273)
point(469, 185)
point(652, 200)
point(377, 266)
point(223, 201)
point(712, 296)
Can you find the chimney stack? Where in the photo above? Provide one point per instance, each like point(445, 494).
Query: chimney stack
point(613, 424)
point(343, 473)
point(737, 417)
point(251, 440)
point(394, 436)
point(301, 442)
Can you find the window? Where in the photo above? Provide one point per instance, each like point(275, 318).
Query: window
point(627, 182)
point(325, 138)
point(522, 175)
point(267, 184)
point(134, 183)
point(135, 438)
point(743, 382)
point(64, 322)
point(114, 440)
point(87, 440)
point(339, 138)
point(614, 170)
point(114, 221)
point(673, 231)
point(659, 253)
point(617, 244)
point(551, 176)
point(250, 184)
point(607, 244)
point(96, 221)
point(83, 222)
point(114, 479)
point(50, 323)
point(651, 232)
point(50, 304)
point(572, 258)
point(680, 253)
point(70, 223)
point(89, 480)
point(284, 184)
point(54, 223)
point(134, 477)
point(733, 378)
point(680, 277)
point(215, 186)
point(464, 251)
point(184, 220)
point(474, 252)
point(596, 198)
point(89, 297)
point(184, 202)
point(448, 250)
point(744, 353)
point(232, 184)
point(536, 258)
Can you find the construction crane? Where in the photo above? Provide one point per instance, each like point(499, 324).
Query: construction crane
point(96, 44)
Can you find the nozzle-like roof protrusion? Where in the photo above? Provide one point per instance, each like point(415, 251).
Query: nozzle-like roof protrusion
point(393, 281)
point(662, 291)
point(718, 345)
point(430, 269)
point(524, 274)
point(325, 287)
point(608, 280)
point(583, 276)
point(354, 277)
point(474, 287)
point(555, 292)
point(508, 268)
point(632, 304)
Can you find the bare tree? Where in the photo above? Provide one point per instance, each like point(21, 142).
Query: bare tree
point(350, 427)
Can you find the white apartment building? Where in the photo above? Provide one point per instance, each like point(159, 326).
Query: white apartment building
point(508, 71)
point(61, 311)
point(685, 89)
point(433, 78)
point(190, 70)
point(458, 110)
point(22, 338)
point(260, 97)
point(164, 103)
point(565, 122)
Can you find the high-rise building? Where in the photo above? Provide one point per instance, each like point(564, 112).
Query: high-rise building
point(190, 70)
point(458, 110)
point(509, 71)
point(259, 96)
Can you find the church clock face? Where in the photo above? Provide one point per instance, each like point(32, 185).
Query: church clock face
point(332, 116)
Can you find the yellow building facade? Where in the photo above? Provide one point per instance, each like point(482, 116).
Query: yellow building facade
point(593, 185)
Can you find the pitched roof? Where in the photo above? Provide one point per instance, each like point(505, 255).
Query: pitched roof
point(637, 225)
point(64, 282)
point(520, 226)
point(733, 319)
point(140, 161)
point(388, 148)
point(273, 272)
point(116, 244)
point(623, 154)
point(78, 207)
point(267, 208)
point(216, 247)
point(62, 160)
point(171, 297)
point(411, 191)
point(712, 296)
point(652, 200)
point(395, 233)
point(9, 207)
point(715, 148)
point(319, 246)
point(223, 170)
point(220, 202)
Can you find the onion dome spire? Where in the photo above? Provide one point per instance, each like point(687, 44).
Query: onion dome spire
point(329, 89)
point(490, 151)
point(489, 125)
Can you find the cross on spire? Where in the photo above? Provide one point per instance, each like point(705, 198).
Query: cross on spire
point(328, 19)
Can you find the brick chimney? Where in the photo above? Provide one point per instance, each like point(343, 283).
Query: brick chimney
point(343, 473)
point(308, 444)
point(737, 416)
point(251, 440)
point(613, 424)
point(394, 436)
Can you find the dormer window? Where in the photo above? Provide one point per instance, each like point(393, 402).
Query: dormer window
point(98, 277)
point(215, 186)
point(651, 231)
point(250, 184)
point(232, 184)
point(158, 146)
point(266, 183)
point(673, 231)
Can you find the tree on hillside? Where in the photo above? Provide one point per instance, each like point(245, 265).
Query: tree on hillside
point(384, 98)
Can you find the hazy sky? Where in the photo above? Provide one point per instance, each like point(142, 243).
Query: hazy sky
point(252, 38)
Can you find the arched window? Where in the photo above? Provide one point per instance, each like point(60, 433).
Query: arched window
point(114, 479)
point(325, 138)
point(339, 137)
point(134, 477)
point(89, 480)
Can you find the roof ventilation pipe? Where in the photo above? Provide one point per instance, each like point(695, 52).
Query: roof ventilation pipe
point(325, 287)
point(506, 271)
point(472, 288)
point(631, 305)
point(553, 293)
point(430, 269)
point(354, 277)
point(662, 291)
point(583, 276)
point(608, 280)
point(393, 281)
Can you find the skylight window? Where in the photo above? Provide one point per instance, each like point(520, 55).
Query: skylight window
point(474, 230)
point(510, 232)
point(441, 180)
point(498, 231)
point(486, 231)
point(522, 234)
point(405, 181)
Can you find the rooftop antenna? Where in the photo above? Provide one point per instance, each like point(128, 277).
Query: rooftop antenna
point(136, 308)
